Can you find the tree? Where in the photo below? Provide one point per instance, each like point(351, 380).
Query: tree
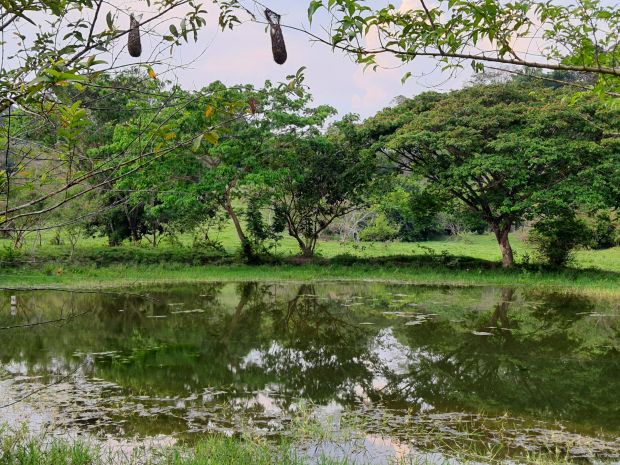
point(50, 75)
point(320, 180)
point(583, 36)
point(240, 166)
point(403, 201)
point(507, 151)
point(556, 237)
point(161, 198)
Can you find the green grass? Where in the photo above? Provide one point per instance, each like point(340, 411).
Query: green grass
point(216, 450)
point(587, 282)
point(467, 260)
point(483, 247)
point(18, 448)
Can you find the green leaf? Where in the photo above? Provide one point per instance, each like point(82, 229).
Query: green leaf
point(212, 137)
point(314, 5)
point(197, 143)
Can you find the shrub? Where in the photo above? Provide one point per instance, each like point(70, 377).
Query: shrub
point(10, 256)
point(604, 232)
point(555, 238)
point(380, 229)
point(56, 238)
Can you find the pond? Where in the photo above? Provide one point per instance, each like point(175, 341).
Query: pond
point(409, 368)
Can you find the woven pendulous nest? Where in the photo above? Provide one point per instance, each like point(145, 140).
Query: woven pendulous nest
point(134, 45)
point(278, 46)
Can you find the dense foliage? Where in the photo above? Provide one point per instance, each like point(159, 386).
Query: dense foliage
point(165, 161)
point(507, 151)
point(578, 36)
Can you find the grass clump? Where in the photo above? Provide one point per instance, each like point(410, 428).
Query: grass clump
point(20, 448)
point(218, 450)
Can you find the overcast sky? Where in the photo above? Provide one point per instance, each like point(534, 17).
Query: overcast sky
point(244, 56)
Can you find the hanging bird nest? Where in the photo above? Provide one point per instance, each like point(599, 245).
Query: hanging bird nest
point(134, 45)
point(277, 38)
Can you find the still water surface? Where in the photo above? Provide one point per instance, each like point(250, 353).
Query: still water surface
point(409, 366)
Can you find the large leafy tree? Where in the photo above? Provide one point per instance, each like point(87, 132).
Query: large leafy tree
point(157, 142)
point(507, 151)
point(54, 53)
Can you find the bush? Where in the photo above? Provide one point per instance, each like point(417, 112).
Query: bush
point(149, 256)
point(56, 238)
point(10, 256)
point(379, 229)
point(556, 238)
point(604, 232)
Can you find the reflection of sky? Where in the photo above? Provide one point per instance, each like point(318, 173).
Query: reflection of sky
point(382, 382)
point(387, 358)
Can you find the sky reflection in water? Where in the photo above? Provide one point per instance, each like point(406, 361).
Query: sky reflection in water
point(402, 363)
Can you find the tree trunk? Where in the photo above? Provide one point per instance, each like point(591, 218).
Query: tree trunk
point(501, 233)
point(307, 251)
point(227, 204)
point(245, 244)
point(133, 229)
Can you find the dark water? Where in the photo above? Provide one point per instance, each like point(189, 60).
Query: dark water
point(407, 364)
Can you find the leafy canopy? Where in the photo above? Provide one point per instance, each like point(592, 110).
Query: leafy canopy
point(582, 36)
point(507, 151)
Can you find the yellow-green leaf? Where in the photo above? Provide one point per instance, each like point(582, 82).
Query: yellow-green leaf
point(212, 137)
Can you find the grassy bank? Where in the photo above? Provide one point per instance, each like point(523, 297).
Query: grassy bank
point(39, 250)
point(583, 281)
point(466, 261)
point(211, 451)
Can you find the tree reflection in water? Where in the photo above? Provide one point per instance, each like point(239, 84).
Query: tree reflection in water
point(216, 356)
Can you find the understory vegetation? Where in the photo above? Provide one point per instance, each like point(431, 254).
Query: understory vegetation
point(469, 259)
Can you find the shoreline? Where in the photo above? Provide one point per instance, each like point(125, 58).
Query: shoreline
point(585, 282)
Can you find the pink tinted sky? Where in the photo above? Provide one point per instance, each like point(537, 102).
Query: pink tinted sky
point(244, 56)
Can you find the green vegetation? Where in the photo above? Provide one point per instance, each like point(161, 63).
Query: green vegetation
point(494, 158)
point(21, 449)
point(578, 36)
point(470, 259)
point(587, 282)
point(112, 176)
point(508, 152)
